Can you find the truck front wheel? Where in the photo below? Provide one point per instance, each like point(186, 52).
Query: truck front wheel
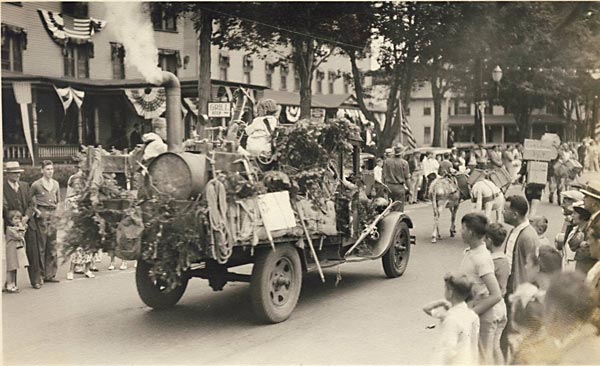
point(395, 259)
point(154, 293)
point(276, 282)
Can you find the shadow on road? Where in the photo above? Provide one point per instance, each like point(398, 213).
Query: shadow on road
point(231, 308)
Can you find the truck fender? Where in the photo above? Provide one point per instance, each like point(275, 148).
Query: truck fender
point(386, 228)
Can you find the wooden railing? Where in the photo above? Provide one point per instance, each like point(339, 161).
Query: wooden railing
point(56, 153)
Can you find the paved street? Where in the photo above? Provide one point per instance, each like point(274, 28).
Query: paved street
point(366, 319)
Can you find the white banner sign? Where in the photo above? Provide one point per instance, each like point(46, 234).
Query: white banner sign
point(220, 109)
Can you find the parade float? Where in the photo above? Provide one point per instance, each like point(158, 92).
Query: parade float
point(204, 209)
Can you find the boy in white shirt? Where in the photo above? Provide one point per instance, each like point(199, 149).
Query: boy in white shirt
point(459, 325)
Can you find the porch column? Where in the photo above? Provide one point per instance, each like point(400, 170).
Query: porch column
point(80, 125)
point(35, 122)
point(502, 132)
point(96, 126)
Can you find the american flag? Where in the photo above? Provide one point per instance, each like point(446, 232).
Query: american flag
point(406, 134)
point(62, 27)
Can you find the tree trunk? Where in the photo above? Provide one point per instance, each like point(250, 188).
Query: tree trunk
point(304, 59)
point(204, 87)
point(358, 88)
point(437, 94)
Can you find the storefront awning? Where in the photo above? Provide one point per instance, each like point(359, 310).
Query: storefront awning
point(506, 120)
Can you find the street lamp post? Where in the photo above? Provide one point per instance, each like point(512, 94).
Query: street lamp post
point(481, 104)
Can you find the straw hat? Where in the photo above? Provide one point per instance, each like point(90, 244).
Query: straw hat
point(12, 167)
point(592, 190)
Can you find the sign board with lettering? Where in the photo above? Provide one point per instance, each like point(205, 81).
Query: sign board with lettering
point(317, 114)
point(537, 172)
point(219, 109)
point(538, 150)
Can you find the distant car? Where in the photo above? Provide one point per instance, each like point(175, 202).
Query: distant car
point(425, 150)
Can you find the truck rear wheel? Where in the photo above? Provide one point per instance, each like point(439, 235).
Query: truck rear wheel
point(395, 259)
point(276, 283)
point(154, 293)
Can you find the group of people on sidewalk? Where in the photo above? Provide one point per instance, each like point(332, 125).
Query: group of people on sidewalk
point(517, 299)
point(31, 227)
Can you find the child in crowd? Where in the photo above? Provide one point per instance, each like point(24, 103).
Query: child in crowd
point(494, 242)
point(459, 325)
point(15, 249)
point(540, 224)
point(80, 260)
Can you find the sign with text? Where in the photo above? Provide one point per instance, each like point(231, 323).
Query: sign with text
point(538, 150)
point(537, 172)
point(220, 109)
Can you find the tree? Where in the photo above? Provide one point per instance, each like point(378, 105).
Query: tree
point(393, 25)
point(542, 45)
point(304, 34)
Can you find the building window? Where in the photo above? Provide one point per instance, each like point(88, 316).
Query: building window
point(347, 81)
point(75, 9)
point(14, 41)
point(163, 21)
point(284, 71)
point(269, 70)
point(449, 110)
point(427, 111)
point(331, 77)
point(248, 66)
point(117, 55)
point(77, 60)
point(223, 66)
point(427, 135)
point(320, 76)
point(169, 60)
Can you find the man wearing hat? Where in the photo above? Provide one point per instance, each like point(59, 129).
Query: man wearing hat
point(577, 239)
point(591, 199)
point(568, 199)
point(155, 144)
point(16, 196)
point(396, 176)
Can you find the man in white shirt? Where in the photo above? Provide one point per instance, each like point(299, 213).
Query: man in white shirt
point(430, 169)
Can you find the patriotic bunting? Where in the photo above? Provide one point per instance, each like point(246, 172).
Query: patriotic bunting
point(23, 96)
point(152, 102)
point(68, 95)
point(63, 28)
point(148, 102)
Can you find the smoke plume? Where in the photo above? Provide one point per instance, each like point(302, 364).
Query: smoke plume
point(131, 25)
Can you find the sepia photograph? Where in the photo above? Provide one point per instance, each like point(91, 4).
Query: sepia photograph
point(300, 182)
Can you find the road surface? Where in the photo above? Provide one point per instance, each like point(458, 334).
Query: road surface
point(365, 319)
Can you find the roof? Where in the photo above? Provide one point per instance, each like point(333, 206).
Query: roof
point(507, 119)
point(318, 100)
point(107, 84)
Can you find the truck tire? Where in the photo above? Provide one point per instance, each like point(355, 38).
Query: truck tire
point(153, 293)
point(276, 283)
point(395, 259)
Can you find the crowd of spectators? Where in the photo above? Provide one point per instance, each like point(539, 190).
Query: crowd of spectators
point(518, 298)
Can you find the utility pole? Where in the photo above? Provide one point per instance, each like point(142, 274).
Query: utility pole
point(478, 96)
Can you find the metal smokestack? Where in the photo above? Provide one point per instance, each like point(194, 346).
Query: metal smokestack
point(175, 126)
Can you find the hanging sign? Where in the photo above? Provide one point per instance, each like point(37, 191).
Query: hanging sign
point(219, 109)
point(317, 114)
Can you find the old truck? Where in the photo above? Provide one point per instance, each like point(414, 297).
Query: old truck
point(311, 242)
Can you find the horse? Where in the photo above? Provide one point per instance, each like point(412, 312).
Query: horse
point(451, 191)
point(444, 193)
point(489, 198)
